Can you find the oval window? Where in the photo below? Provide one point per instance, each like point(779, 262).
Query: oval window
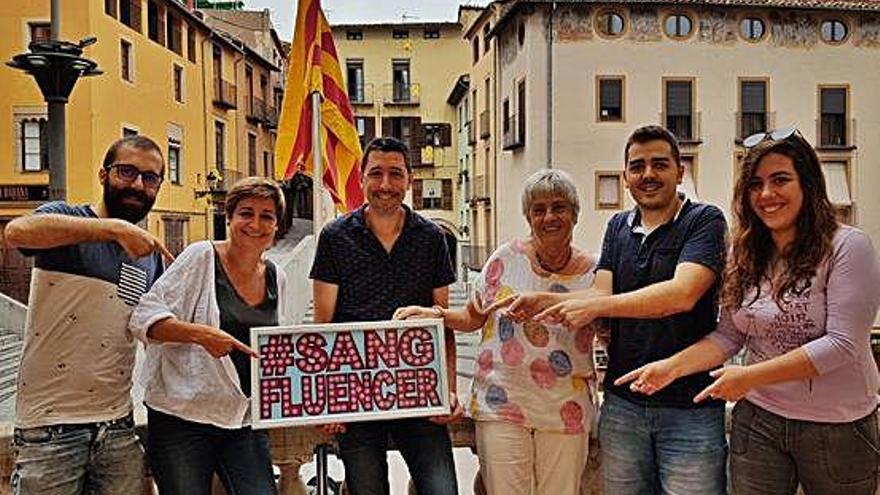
point(610, 24)
point(678, 26)
point(834, 31)
point(752, 28)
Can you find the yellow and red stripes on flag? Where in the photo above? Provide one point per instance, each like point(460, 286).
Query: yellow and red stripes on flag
point(314, 66)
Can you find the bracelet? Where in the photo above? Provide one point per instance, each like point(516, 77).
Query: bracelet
point(440, 311)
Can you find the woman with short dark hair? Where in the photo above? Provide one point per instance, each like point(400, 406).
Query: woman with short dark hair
point(195, 323)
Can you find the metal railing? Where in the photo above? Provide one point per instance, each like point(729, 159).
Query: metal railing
point(686, 128)
point(514, 133)
point(360, 94)
point(485, 132)
point(748, 123)
point(225, 94)
point(402, 94)
point(835, 131)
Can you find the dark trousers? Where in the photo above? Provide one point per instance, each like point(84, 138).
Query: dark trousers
point(184, 455)
point(425, 446)
point(771, 454)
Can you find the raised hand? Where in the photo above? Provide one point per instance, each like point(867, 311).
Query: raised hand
point(136, 241)
point(649, 378)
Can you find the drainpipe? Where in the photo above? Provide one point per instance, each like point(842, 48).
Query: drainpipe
point(208, 121)
point(550, 85)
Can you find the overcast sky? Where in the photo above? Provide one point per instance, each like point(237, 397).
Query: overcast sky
point(353, 11)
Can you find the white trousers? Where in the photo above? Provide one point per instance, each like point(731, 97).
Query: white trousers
point(514, 459)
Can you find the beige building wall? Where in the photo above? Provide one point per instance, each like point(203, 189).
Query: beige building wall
point(435, 65)
point(791, 58)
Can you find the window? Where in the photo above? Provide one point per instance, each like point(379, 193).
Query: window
point(432, 194)
point(125, 61)
point(609, 191)
point(408, 130)
point(40, 31)
point(129, 131)
point(432, 34)
point(610, 98)
point(155, 22)
point(110, 7)
point(191, 44)
point(475, 48)
point(610, 24)
point(400, 77)
point(486, 29)
point(753, 108)
point(354, 35)
point(174, 34)
point(521, 108)
point(174, 234)
point(437, 135)
point(249, 89)
point(366, 129)
point(173, 162)
point(833, 121)
point(267, 165)
point(678, 26)
point(834, 31)
point(837, 187)
point(688, 184)
point(521, 33)
point(34, 146)
point(217, 63)
point(178, 83)
point(752, 28)
point(219, 146)
point(130, 13)
point(400, 34)
point(505, 119)
point(679, 109)
point(252, 154)
point(355, 79)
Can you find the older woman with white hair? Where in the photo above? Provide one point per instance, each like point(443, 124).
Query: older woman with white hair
point(531, 396)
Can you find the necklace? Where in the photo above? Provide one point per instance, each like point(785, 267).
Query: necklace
point(550, 268)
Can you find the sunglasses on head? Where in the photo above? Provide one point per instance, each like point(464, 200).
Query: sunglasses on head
point(774, 135)
point(130, 173)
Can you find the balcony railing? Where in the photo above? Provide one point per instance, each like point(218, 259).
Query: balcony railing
point(835, 132)
point(484, 125)
point(686, 128)
point(748, 123)
point(225, 94)
point(471, 132)
point(360, 94)
point(514, 133)
point(402, 94)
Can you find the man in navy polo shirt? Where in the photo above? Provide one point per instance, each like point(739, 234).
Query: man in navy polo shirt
point(368, 263)
point(656, 284)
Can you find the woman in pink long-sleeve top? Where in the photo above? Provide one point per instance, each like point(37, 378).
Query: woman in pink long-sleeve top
point(800, 295)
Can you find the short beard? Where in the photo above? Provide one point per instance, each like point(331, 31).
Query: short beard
point(117, 209)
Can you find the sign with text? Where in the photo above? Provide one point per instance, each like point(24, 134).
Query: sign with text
point(343, 372)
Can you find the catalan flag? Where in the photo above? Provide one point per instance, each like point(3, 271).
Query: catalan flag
point(314, 66)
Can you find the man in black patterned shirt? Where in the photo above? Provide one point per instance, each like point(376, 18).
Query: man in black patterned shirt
point(368, 263)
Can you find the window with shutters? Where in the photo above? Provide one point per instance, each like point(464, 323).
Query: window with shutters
point(174, 33)
point(354, 69)
point(438, 135)
point(609, 190)
point(366, 129)
point(679, 108)
point(432, 194)
point(175, 154)
point(409, 130)
point(252, 154)
point(833, 119)
point(753, 108)
point(610, 98)
point(155, 22)
point(220, 147)
point(175, 237)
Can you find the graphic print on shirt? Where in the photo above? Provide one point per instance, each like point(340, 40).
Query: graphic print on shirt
point(132, 284)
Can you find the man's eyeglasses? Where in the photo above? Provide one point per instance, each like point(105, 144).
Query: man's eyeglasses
point(774, 135)
point(130, 173)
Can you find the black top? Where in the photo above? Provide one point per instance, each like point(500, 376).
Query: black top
point(696, 235)
point(373, 282)
point(237, 317)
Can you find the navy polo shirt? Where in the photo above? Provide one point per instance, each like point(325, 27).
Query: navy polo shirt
point(373, 282)
point(637, 260)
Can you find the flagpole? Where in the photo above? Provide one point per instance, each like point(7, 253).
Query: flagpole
point(317, 166)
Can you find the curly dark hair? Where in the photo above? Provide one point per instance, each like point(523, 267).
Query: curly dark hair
point(752, 246)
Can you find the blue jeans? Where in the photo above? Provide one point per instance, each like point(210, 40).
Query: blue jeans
point(662, 450)
point(425, 446)
point(770, 454)
point(184, 456)
point(93, 458)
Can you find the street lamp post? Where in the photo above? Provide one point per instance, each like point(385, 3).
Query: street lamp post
point(56, 65)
